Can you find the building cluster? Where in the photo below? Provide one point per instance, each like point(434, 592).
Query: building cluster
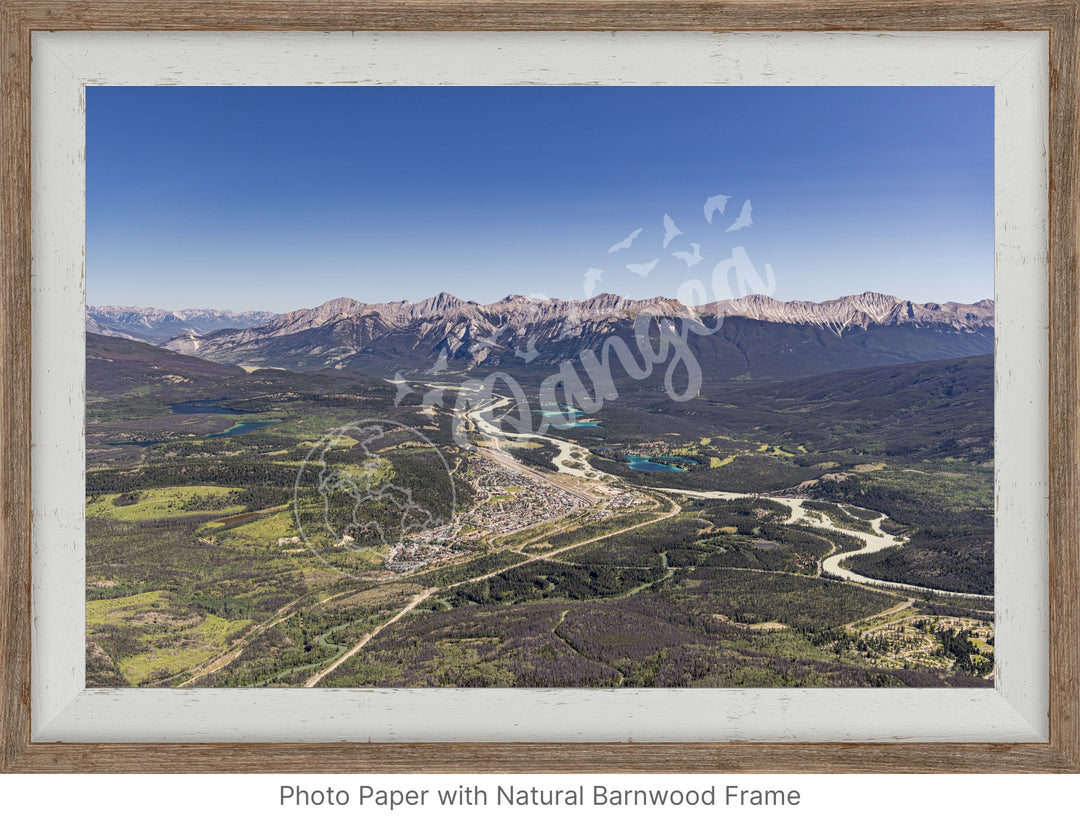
point(405, 557)
point(621, 500)
point(508, 501)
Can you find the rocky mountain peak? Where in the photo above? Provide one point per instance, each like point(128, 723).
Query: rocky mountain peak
point(858, 311)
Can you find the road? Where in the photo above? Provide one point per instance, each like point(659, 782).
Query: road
point(508, 462)
point(418, 599)
point(224, 659)
point(903, 605)
point(413, 604)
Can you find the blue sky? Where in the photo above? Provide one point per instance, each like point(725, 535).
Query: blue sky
point(280, 198)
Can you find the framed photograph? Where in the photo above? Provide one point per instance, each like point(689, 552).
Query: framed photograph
point(540, 387)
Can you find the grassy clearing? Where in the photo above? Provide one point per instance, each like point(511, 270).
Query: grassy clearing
point(112, 610)
point(152, 637)
point(171, 501)
point(260, 532)
point(194, 646)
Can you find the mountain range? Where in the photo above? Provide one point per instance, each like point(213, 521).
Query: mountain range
point(757, 337)
point(861, 311)
point(156, 326)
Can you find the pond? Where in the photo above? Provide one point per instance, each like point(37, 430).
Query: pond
point(241, 428)
point(205, 407)
point(650, 464)
point(558, 412)
point(570, 414)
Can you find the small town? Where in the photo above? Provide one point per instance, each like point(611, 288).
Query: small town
point(507, 501)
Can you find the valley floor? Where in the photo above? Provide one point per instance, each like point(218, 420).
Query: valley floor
point(567, 575)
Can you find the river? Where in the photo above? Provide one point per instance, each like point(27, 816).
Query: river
point(572, 459)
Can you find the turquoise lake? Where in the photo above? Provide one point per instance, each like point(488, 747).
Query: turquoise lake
point(649, 464)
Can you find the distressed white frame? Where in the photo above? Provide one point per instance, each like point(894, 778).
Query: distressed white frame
point(1015, 63)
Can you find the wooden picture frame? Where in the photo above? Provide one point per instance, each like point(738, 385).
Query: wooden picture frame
point(20, 18)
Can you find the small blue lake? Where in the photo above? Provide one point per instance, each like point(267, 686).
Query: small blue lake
point(241, 428)
point(234, 431)
point(570, 414)
point(649, 464)
point(560, 412)
point(205, 407)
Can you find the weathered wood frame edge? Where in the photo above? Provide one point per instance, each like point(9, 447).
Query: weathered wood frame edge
point(1061, 18)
